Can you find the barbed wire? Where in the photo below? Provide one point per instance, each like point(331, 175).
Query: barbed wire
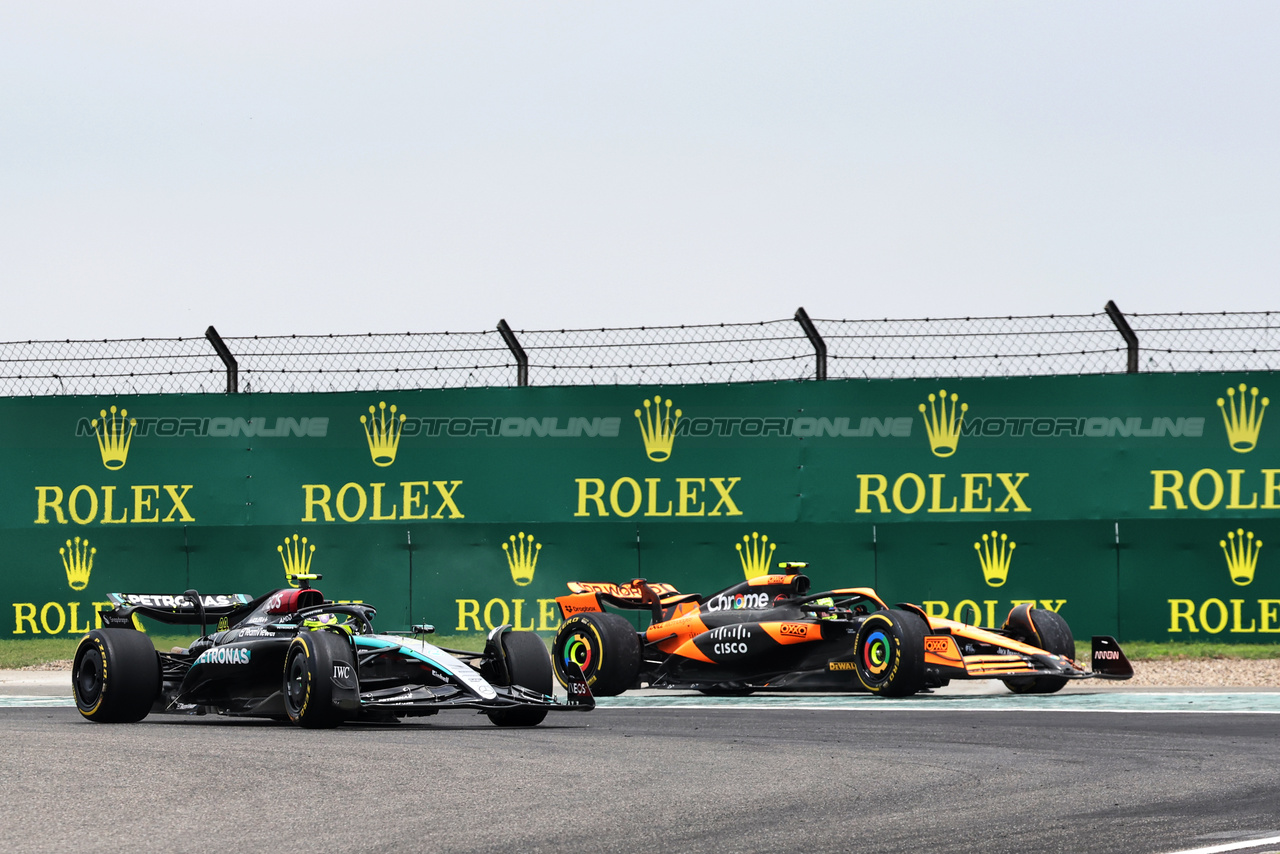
point(771, 350)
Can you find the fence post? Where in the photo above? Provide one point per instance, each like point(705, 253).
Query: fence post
point(233, 367)
point(819, 346)
point(1126, 332)
point(522, 360)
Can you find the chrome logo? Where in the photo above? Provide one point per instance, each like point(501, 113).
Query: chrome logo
point(875, 653)
point(578, 651)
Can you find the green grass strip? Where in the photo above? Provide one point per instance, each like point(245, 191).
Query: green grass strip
point(25, 653)
point(1180, 650)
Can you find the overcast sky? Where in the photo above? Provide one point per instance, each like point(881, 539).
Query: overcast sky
point(315, 167)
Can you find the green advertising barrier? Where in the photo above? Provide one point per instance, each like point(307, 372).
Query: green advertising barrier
point(977, 573)
point(1201, 580)
point(408, 497)
point(465, 581)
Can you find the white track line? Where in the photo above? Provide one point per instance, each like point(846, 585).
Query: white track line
point(889, 708)
point(1231, 846)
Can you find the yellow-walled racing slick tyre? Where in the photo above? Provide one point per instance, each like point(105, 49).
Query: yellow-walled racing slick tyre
point(308, 678)
point(605, 646)
point(115, 675)
point(889, 653)
point(529, 666)
point(1050, 632)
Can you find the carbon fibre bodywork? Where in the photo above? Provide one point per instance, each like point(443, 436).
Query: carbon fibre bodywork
point(772, 633)
point(241, 669)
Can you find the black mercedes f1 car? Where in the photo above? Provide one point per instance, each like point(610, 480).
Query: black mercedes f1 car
point(772, 633)
point(292, 655)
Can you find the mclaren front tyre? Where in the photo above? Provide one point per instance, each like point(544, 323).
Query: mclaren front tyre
point(1047, 630)
point(889, 653)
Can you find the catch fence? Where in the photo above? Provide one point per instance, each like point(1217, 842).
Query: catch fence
point(796, 348)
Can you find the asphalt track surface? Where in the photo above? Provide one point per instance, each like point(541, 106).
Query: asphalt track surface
point(627, 779)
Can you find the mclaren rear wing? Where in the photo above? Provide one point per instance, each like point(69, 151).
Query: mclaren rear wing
point(638, 595)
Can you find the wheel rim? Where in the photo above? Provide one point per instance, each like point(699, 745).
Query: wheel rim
point(295, 683)
point(877, 652)
point(579, 650)
point(89, 677)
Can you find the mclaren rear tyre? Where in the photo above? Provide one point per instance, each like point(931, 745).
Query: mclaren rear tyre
point(889, 652)
point(309, 667)
point(1055, 637)
point(605, 646)
point(529, 666)
point(115, 676)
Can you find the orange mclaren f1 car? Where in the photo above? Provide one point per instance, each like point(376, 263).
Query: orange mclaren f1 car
point(771, 633)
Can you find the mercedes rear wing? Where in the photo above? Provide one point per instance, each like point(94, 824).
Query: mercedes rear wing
point(182, 609)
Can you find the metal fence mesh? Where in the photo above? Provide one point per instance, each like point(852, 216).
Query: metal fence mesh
point(372, 362)
point(974, 346)
point(709, 353)
point(110, 366)
point(719, 353)
point(1227, 341)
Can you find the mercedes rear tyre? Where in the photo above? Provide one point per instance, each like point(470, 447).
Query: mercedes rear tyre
point(889, 653)
point(529, 666)
point(309, 699)
point(115, 675)
point(605, 646)
point(1055, 637)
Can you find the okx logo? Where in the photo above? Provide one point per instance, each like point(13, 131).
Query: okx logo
point(382, 430)
point(1241, 551)
point(755, 553)
point(114, 432)
point(1242, 417)
point(943, 423)
point(77, 560)
point(522, 558)
point(995, 553)
point(658, 429)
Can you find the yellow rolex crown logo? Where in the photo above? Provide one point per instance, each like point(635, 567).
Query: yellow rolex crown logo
point(382, 429)
point(297, 559)
point(995, 553)
point(114, 433)
point(1243, 418)
point(1241, 551)
point(658, 429)
point(943, 423)
point(755, 552)
point(522, 557)
point(77, 560)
